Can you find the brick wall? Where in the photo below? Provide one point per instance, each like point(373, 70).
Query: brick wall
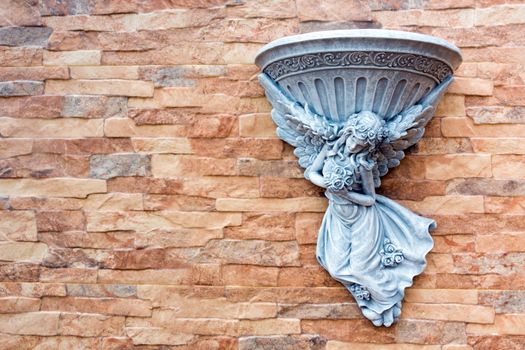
point(146, 202)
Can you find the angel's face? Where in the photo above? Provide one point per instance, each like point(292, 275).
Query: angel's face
point(355, 144)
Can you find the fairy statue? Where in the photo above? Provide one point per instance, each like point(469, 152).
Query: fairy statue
point(369, 243)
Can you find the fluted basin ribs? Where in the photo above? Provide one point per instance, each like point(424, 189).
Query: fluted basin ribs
point(351, 102)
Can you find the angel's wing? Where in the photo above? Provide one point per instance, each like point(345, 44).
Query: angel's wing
point(407, 128)
point(298, 125)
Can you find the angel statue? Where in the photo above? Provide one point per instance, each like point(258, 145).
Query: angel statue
point(369, 243)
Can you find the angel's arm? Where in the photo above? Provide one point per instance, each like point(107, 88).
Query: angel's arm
point(314, 172)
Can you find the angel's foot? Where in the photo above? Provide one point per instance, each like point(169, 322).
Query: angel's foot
point(387, 318)
point(377, 319)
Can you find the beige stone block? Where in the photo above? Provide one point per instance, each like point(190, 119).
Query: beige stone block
point(443, 205)
point(503, 325)
point(114, 202)
point(471, 86)
point(90, 325)
point(52, 128)
point(10, 305)
point(271, 204)
point(257, 125)
point(445, 167)
point(157, 336)
point(183, 165)
point(22, 251)
point(449, 312)
point(269, 326)
point(178, 145)
point(18, 226)
point(183, 307)
point(438, 296)
point(111, 87)
point(30, 323)
point(338, 345)
point(158, 277)
point(15, 147)
point(109, 306)
point(55, 187)
point(505, 205)
point(105, 72)
point(451, 106)
point(500, 243)
point(444, 18)
point(498, 145)
point(125, 127)
point(500, 15)
point(72, 58)
point(508, 167)
point(108, 221)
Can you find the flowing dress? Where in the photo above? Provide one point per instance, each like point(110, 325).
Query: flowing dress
point(374, 251)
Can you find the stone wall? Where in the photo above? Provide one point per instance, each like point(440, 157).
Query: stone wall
point(147, 204)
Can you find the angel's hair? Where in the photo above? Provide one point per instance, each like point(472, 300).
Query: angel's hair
point(366, 126)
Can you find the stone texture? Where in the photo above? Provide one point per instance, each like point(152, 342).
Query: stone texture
point(72, 58)
point(24, 36)
point(66, 187)
point(109, 166)
point(113, 87)
point(18, 226)
point(21, 88)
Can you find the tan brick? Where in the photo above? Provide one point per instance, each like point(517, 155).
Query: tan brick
point(22, 251)
point(15, 147)
point(113, 87)
point(72, 58)
point(125, 127)
point(451, 106)
point(57, 187)
point(461, 165)
point(449, 312)
point(160, 145)
point(183, 165)
point(307, 226)
point(453, 244)
point(113, 202)
point(69, 275)
point(337, 345)
point(150, 276)
point(471, 86)
point(503, 325)
point(438, 296)
point(105, 72)
point(508, 167)
point(310, 10)
point(500, 15)
point(90, 325)
point(444, 18)
point(108, 306)
point(446, 205)
point(183, 307)
point(496, 114)
point(18, 226)
point(247, 275)
point(498, 145)
point(256, 125)
point(267, 204)
point(106, 221)
point(33, 73)
point(31, 323)
point(270, 326)
point(505, 205)
point(14, 305)
point(157, 336)
point(177, 238)
point(501, 243)
point(53, 128)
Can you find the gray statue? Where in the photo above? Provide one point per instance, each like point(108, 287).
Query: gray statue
point(369, 243)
